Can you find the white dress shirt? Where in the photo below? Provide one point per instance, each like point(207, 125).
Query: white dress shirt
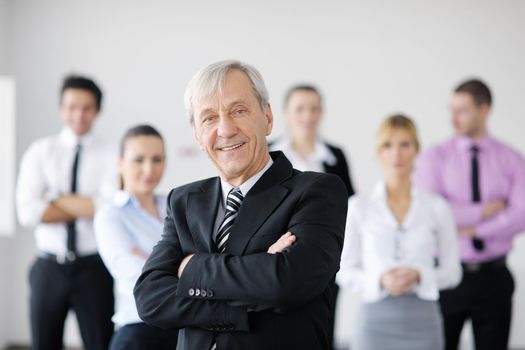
point(245, 187)
point(120, 228)
point(375, 243)
point(45, 173)
point(314, 162)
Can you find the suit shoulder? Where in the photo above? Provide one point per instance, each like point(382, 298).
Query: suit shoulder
point(196, 186)
point(312, 178)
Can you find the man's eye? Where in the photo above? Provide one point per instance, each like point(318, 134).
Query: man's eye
point(239, 111)
point(208, 119)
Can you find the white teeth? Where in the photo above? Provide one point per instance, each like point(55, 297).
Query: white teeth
point(232, 147)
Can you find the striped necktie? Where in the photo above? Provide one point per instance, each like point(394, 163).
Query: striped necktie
point(233, 204)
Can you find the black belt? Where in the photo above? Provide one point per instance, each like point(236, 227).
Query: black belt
point(68, 258)
point(485, 266)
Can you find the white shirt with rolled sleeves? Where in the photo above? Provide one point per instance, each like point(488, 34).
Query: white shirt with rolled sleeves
point(375, 243)
point(45, 173)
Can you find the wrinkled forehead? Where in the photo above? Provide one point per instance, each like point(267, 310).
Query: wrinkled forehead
point(235, 87)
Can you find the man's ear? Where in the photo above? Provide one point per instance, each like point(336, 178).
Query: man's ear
point(485, 110)
point(268, 114)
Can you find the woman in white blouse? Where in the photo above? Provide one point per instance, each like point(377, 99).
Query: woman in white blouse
point(126, 231)
point(400, 249)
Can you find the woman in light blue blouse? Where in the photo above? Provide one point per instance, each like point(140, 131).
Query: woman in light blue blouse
point(126, 231)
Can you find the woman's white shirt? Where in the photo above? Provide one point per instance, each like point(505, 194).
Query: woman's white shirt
point(376, 243)
point(120, 228)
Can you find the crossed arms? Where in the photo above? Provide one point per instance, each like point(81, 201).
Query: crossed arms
point(300, 268)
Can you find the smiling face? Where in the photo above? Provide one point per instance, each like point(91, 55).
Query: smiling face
point(303, 113)
point(142, 164)
point(231, 128)
point(79, 109)
point(397, 153)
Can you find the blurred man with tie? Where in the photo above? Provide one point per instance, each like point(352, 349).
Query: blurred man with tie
point(62, 179)
point(248, 258)
point(483, 180)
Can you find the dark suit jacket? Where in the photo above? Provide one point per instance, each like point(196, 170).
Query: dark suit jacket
point(247, 298)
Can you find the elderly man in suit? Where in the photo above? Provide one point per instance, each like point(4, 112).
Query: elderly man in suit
point(247, 259)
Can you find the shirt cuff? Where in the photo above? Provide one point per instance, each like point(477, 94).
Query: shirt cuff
point(426, 288)
point(372, 289)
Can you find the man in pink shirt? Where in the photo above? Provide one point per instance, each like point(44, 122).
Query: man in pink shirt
point(484, 182)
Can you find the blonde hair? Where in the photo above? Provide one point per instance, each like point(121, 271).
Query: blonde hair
point(397, 121)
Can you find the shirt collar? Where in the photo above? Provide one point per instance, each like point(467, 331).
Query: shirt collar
point(321, 152)
point(247, 185)
point(379, 191)
point(465, 143)
point(68, 137)
point(123, 198)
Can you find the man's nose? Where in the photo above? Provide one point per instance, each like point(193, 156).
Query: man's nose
point(226, 127)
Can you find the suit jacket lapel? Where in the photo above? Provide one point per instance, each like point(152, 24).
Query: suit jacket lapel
point(202, 212)
point(259, 203)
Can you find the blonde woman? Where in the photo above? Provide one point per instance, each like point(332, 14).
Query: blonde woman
point(400, 250)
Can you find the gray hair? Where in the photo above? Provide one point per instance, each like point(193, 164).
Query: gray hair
point(210, 80)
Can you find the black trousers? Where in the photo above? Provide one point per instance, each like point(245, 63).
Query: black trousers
point(141, 336)
point(485, 297)
point(84, 286)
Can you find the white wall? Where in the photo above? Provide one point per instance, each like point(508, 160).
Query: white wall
point(4, 251)
point(369, 58)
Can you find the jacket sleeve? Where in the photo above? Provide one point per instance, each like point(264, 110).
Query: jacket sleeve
point(289, 279)
point(158, 302)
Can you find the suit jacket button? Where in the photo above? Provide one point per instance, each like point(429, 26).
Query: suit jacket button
point(209, 293)
point(197, 292)
point(191, 292)
point(203, 293)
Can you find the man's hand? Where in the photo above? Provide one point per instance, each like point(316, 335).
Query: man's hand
point(469, 231)
point(76, 206)
point(54, 214)
point(492, 208)
point(399, 280)
point(183, 264)
point(282, 243)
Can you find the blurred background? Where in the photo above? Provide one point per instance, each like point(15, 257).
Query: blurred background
point(369, 58)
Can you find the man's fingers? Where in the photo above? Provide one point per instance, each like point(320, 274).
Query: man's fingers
point(282, 243)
